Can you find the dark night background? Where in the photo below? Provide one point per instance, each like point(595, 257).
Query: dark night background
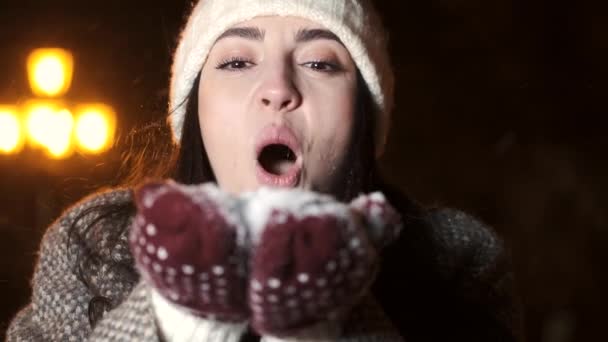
point(501, 111)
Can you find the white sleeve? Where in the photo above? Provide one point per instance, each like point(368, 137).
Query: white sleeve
point(178, 325)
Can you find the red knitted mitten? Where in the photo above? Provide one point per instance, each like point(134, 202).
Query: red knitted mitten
point(313, 258)
point(288, 260)
point(184, 240)
point(382, 222)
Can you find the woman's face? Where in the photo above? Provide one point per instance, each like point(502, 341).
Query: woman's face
point(276, 105)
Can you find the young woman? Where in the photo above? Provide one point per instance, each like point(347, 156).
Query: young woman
point(281, 94)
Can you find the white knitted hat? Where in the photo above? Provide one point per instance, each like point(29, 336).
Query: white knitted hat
point(355, 22)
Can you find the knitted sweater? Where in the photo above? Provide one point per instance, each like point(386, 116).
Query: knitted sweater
point(446, 277)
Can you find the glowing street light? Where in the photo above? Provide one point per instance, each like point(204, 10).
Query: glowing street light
point(11, 136)
point(50, 71)
point(49, 125)
point(39, 116)
point(59, 140)
point(94, 129)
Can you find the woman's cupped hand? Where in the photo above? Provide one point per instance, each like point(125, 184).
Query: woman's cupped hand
point(279, 259)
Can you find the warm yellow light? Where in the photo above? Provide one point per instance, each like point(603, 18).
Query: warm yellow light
point(50, 71)
point(50, 126)
point(58, 140)
point(95, 126)
point(11, 137)
point(39, 118)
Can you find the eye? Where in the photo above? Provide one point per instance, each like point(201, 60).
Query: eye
point(235, 64)
point(323, 66)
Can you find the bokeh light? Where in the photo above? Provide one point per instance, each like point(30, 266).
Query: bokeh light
point(94, 129)
point(50, 71)
point(49, 125)
point(58, 138)
point(11, 135)
point(38, 118)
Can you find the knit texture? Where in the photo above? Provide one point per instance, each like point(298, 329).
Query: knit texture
point(66, 294)
point(61, 301)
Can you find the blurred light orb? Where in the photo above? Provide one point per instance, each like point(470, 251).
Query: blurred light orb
point(50, 126)
point(48, 123)
point(94, 128)
point(58, 137)
point(50, 71)
point(11, 137)
point(38, 122)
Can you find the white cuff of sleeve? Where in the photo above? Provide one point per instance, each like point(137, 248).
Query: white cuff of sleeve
point(178, 325)
point(322, 332)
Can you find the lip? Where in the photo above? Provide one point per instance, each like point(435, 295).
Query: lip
point(279, 134)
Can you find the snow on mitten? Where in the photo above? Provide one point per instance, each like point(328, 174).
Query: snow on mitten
point(311, 262)
point(185, 240)
point(382, 221)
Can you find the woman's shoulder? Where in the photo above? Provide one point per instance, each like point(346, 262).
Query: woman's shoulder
point(448, 268)
point(451, 232)
point(453, 242)
point(446, 244)
point(91, 206)
point(461, 231)
point(93, 235)
point(90, 224)
point(83, 258)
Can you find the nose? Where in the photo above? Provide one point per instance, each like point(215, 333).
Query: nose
point(278, 93)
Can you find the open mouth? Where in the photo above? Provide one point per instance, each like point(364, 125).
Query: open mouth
point(277, 159)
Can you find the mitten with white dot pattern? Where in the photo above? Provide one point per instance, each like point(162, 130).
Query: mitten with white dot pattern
point(313, 257)
point(288, 261)
point(185, 243)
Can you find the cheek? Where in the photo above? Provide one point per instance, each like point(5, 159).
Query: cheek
point(216, 118)
point(224, 134)
point(332, 120)
point(222, 109)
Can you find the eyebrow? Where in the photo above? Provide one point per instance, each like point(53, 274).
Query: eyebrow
point(302, 36)
point(307, 35)
point(252, 33)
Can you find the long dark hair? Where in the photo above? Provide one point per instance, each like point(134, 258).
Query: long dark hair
point(154, 155)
